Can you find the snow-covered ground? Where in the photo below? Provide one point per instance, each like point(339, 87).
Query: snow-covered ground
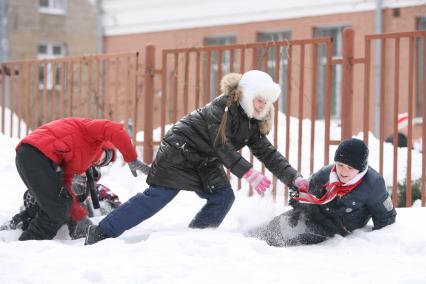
point(164, 250)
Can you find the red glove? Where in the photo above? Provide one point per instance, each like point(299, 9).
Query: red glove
point(301, 184)
point(257, 180)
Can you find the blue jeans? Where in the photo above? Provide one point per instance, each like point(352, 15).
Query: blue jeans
point(144, 205)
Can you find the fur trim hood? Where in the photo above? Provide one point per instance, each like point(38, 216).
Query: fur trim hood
point(243, 88)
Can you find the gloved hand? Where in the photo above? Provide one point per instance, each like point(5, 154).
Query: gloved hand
point(78, 229)
point(257, 180)
point(138, 165)
point(301, 184)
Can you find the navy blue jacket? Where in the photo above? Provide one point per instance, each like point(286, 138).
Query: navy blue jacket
point(369, 199)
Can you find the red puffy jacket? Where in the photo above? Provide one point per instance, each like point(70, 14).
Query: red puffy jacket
point(75, 144)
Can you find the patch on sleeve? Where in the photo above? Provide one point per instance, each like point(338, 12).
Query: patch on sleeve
point(388, 204)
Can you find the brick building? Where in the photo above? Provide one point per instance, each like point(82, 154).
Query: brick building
point(47, 29)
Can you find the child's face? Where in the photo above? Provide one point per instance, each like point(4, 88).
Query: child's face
point(344, 172)
point(259, 105)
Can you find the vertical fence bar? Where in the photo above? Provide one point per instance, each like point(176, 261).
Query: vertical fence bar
point(149, 103)
point(107, 110)
point(3, 97)
point(12, 95)
point(327, 101)
point(395, 129)
point(117, 89)
point(89, 86)
point(71, 93)
point(175, 86)
point(424, 126)
point(219, 71)
point(276, 122)
point(44, 93)
point(197, 80)
point(28, 96)
point(135, 97)
point(63, 85)
point(288, 113)
point(207, 94)
point(164, 105)
point(347, 83)
point(186, 83)
point(313, 106)
point(301, 91)
point(127, 92)
point(366, 119)
point(20, 97)
point(242, 66)
point(97, 92)
point(53, 93)
point(408, 199)
point(34, 119)
point(80, 85)
point(382, 102)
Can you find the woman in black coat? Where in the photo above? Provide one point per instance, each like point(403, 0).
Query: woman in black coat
point(341, 198)
point(193, 153)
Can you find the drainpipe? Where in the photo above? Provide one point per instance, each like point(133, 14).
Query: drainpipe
point(377, 66)
point(100, 28)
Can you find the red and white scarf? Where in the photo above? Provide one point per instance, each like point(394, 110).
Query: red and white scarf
point(333, 187)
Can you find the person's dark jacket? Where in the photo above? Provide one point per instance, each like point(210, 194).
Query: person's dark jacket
point(352, 211)
point(190, 159)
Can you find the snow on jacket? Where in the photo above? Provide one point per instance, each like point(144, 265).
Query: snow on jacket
point(75, 144)
point(353, 210)
point(189, 158)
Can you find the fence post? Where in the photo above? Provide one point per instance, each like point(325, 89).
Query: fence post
point(148, 103)
point(347, 82)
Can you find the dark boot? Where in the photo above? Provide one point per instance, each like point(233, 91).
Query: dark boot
point(94, 235)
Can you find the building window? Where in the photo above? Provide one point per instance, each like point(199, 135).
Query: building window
point(267, 55)
point(50, 51)
point(336, 33)
point(52, 6)
point(421, 25)
point(226, 59)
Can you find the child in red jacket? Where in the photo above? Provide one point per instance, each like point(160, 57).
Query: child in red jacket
point(49, 158)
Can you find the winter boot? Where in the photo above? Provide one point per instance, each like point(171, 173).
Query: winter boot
point(94, 235)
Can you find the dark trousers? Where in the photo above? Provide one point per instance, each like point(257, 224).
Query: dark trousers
point(291, 229)
point(46, 184)
point(144, 205)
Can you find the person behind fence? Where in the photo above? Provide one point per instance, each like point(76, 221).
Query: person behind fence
point(108, 201)
point(193, 153)
point(48, 159)
point(341, 198)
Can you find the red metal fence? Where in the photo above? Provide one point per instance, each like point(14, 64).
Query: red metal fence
point(39, 91)
point(132, 88)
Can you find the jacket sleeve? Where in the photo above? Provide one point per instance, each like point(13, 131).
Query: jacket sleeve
point(226, 152)
point(380, 205)
point(106, 130)
point(272, 159)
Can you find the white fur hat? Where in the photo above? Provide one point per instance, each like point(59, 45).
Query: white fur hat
point(255, 83)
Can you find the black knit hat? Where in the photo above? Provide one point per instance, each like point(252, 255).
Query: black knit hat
point(352, 152)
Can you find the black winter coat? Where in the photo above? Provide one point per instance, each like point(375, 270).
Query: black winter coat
point(189, 158)
point(352, 211)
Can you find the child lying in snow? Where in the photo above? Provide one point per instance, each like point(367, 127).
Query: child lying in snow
point(341, 197)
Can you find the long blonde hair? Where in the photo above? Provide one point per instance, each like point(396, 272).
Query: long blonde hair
point(221, 132)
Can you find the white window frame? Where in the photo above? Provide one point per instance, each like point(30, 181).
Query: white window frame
point(55, 7)
point(50, 55)
point(336, 72)
point(223, 39)
point(277, 35)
